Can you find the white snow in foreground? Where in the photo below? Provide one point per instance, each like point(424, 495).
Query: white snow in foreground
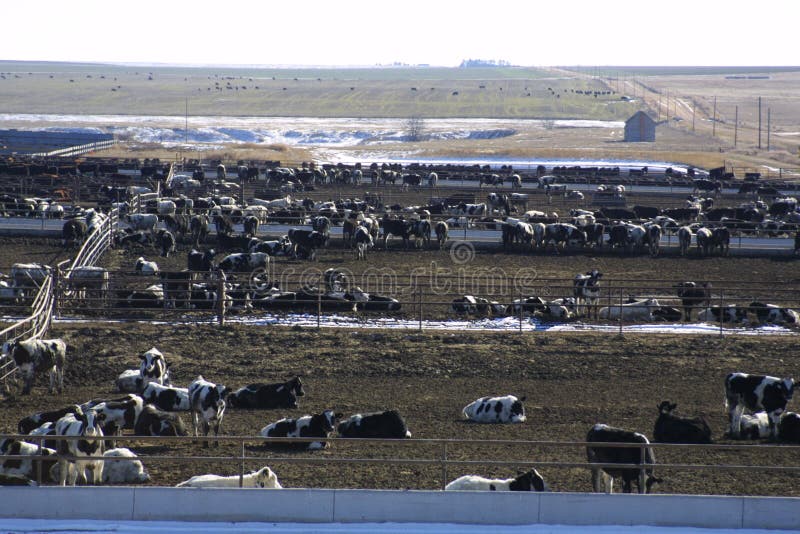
point(152, 527)
point(503, 324)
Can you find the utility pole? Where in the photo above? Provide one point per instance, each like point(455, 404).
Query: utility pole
point(714, 119)
point(768, 127)
point(736, 127)
point(759, 123)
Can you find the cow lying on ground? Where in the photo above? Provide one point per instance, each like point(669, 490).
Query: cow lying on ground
point(755, 426)
point(155, 422)
point(267, 396)
point(263, 478)
point(26, 467)
point(528, 481)
point(772, 314)
point(38, 355)
point(128, 471)
point(167, 398)
point(309, 426)
point(756, 393)
point(507, 409)
point(603, 478)
point(732, 313)
point(130, 381)
point(671, 428)
point(387, 424)
point(637, 311)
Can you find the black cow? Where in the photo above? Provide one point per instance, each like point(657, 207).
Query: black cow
point(789, 428)
point(756, 393)
point(166, 242)
point(27, 424)
point(395, 227)
point(693, 295)
point(198, 226)
point(267, 396)
point(603, 478)
point(201, 261)
point(721, 238)
point(387, 424)
point(224, 225)
point(155, 422)
point(305, 243)
point(176, 287)
point(671, 428)
point(73, 233)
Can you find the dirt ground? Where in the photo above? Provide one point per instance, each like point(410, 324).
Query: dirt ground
point(571, 382)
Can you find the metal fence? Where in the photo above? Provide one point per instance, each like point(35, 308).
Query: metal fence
point(444, 457)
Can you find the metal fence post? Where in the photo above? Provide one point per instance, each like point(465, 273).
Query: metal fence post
point(419, 307)
point(620, 312)
point(520, 309)
point(721, 313)
point(444, 464)
point(221, 297)
point(319, 302)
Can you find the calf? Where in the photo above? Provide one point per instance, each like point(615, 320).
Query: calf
point(587, 290)
point(207, 404)
point(318, 425)
point(671, 428)
point(507, 409)
point(153, 367)
point(603, 477)
point(528, 481)
point(693, 295)
point(756, 393)
point(155, 422)
point(38, 355)
point(85, 424)
point(127, 471)
point(167, 398)
point(263, 478)
point(267, 396)
point(387, 424)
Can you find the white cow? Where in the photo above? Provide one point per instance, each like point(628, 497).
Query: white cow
point(263, 478)
point(529, 481)
point(640, 310)
point(506, 409)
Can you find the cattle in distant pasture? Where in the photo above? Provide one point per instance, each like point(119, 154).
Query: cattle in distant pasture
point(672, 428)
point(388, 424)
point(264, 478)
point(267, 396)
point(528, 481)
point(504, 409)
point(207, 404)
point(319, 425)
point(693, 295)
point(155, 422)
point(85, 451)
point(756, 393)
point(603, 478)
point(34, 356)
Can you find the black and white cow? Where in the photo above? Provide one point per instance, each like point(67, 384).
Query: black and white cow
point(166, 241)
point(318, 425)
point(603, 478)
point(563, 234)
point(671, 428)
point(586, 289)
point(144, 267)
point(721, 239)
point(251, 226)
point(27, 424)
point(119, 414)
point(363, 242)
point(442, 231)
point(653, 239)
point(26, 467)
point(480, 306)
point(267, 396)
point(153, 367)
point(244, 262)
point(33, 356)
point(685, 239)
point(87, 425)
point(506, 409)
point(387, 424)
point(207, 404)
point(167, 398)
point(704, 239)
point(756, 393)
point(395, 227)
point(693, 295)
point(155, 422)
point(773, 314)
point(528, 481)
point(732, 313)
point(198, 226)
point(273, 247)
point(73, 233)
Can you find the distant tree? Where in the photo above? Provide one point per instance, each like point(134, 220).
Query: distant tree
point(415, 127)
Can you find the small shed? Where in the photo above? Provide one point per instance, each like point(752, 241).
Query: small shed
point(640, 128)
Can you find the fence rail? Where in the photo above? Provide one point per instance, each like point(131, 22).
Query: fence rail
point(439, 454)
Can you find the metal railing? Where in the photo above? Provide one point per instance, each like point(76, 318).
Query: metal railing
point(445, 455)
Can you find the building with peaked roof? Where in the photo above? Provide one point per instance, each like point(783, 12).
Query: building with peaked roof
point(640, 128)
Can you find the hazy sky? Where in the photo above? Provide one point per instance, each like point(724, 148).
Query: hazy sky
point(369, 32)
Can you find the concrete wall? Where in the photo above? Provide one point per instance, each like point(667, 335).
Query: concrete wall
point(354, 506)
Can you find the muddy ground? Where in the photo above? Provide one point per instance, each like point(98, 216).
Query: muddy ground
point(571, 381)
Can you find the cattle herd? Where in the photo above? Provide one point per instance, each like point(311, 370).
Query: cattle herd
point(151, 406)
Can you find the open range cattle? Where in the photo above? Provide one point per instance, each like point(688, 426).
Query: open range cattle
point(318, 425)
point(267, 396)
point(264, 478)
point(672, 428)
point(756, 393)
point(527, 481)
point(505, 409)
point(34, 356)
point(388, 424)
point(603, 478)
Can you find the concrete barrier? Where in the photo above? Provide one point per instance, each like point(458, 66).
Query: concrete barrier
point(375, 506)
